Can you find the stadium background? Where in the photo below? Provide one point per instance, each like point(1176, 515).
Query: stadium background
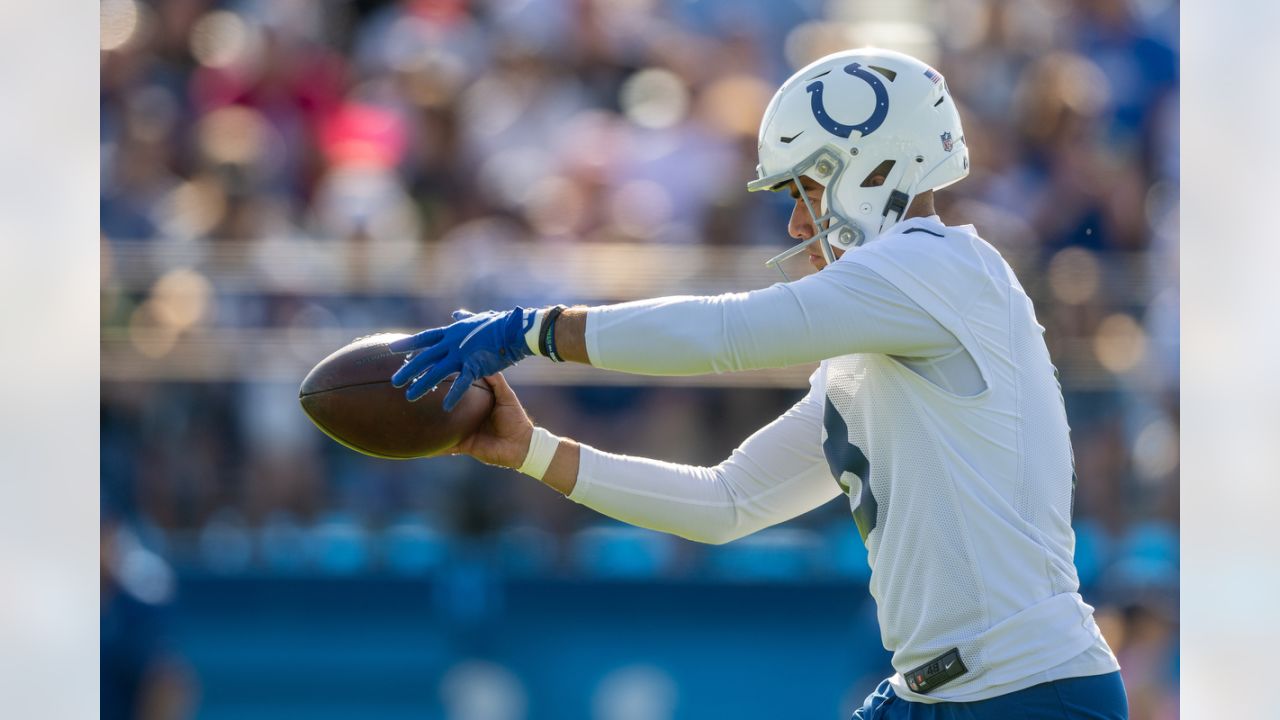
point(280, 176)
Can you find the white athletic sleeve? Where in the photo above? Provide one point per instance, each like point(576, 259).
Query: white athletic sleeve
point(846, 308)
point(776, 474)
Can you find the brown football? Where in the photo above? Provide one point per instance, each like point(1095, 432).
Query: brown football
point(349, 396)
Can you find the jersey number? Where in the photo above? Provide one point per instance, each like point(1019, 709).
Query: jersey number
point(843, 456)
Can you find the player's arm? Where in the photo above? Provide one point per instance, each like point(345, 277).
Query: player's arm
point(776, 474)
point(844, 309)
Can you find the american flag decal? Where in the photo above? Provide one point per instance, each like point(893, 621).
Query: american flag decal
point(933, 75)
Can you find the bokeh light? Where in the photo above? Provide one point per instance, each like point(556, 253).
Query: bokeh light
point(118, 23)
point(234, 135)
point(654, 98)
point(193, 208)
point(148, 334)
point(1074, 275)
point(1155, 451)
point(1119, 343)
point(222, 39)
point(181, 298)
point(480, 689)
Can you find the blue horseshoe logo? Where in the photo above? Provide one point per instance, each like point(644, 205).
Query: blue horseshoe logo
point(865, 127)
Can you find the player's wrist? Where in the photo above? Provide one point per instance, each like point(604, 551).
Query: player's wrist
point(542, 448)
point(533, 329)
point(540, 334)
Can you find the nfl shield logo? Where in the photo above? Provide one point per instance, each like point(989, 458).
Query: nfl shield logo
point(947, 142)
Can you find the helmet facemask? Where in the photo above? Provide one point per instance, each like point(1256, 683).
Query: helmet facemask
point(824, 167)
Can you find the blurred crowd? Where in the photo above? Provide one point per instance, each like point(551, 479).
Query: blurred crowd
point(477, 126)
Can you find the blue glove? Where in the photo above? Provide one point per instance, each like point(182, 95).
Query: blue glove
point(473, 346)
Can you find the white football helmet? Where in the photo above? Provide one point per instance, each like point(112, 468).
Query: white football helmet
point(848, 118)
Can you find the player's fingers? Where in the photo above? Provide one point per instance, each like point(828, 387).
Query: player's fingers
point(417, 364)
point(430, 379)
point(417, 342)
point(502, 392)
point(460, 385)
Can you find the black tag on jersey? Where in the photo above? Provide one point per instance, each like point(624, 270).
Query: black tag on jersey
point(937, 672)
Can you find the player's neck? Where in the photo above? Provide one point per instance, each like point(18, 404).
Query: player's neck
point(921, 206)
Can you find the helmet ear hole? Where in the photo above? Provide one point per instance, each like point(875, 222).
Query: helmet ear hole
point(877, 177)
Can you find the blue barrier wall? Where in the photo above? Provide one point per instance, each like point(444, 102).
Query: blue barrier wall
point(412, 648)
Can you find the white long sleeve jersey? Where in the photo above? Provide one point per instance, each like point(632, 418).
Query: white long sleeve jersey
point(935, 409)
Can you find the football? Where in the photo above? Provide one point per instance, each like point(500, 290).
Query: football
point(349, 396)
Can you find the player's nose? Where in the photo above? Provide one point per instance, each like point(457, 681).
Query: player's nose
point(800, 226)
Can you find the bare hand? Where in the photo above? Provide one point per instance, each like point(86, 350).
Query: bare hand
point(504, 437)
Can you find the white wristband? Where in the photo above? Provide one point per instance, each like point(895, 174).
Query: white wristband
point(532, 334)
point(542, 447)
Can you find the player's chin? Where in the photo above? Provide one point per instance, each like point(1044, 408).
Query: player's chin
point(817, 262)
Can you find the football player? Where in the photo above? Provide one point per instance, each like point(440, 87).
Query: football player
point(935, 408)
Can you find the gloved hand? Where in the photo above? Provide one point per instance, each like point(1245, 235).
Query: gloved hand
point(475, 346)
